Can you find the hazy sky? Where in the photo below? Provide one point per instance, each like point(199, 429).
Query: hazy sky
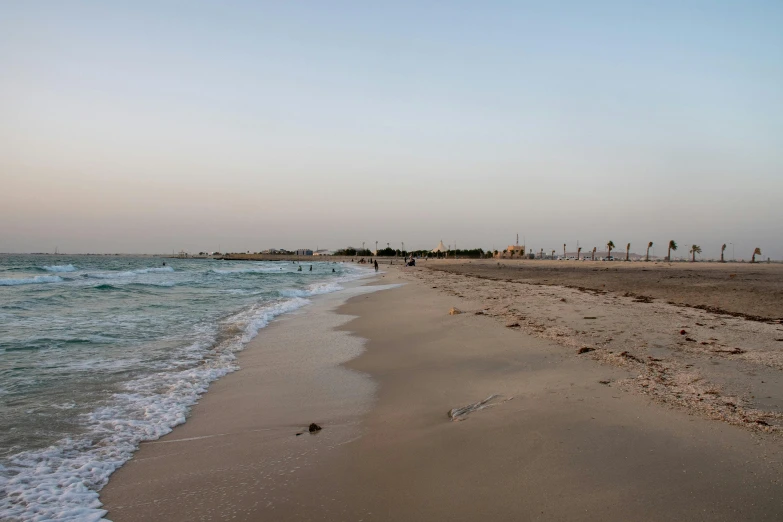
point(152, 126)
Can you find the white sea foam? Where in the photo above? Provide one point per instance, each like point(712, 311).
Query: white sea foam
point(129, 273)
point(31, 280)
point(314, 289)
point(62, 481)
point(60, 268)
point(246, 270)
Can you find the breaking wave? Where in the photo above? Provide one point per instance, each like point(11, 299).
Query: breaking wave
point(37, 280)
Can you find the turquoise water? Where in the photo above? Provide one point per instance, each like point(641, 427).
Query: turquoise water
point(98, 353)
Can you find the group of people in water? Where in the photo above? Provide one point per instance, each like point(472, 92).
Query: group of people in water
point(373, 262)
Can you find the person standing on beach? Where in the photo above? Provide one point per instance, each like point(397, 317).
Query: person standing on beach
point(311, 268)
point(376, 265)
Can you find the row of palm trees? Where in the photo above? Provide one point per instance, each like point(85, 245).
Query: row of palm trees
point(695, 249)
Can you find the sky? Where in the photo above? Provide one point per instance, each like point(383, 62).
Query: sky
point(197, 126)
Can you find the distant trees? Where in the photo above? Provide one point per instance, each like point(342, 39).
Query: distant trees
point(351, 251)
point(647, 256)
point(722, 248)
point(756, 252)
point(695, 249)
point(609, 247)
point(672, 246)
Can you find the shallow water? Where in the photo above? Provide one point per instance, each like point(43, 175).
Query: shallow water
point(98, 353)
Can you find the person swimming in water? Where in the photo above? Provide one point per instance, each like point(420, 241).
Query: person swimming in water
point(300, 268)
point(311, 268)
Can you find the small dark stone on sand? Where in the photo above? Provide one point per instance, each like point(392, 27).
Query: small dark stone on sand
point(590, 317)
point(691, 340)
point(683, 332)
point(314, 427)
point(512, 325)
point(604, 382)
point(585, 349)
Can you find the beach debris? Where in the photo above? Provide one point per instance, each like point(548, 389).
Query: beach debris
point(591, 318)
point(454, 311)
point(512, 325)
point(585, 349)
point(458, 414)
point(631, 356)
point(732, 351)
point(313, 428)
point(683, 332)
point(481, 312)
point(604, 382)
point(563, 300)
point(690, 339)
point(643, 299)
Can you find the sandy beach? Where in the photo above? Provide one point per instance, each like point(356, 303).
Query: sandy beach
point(646, 423)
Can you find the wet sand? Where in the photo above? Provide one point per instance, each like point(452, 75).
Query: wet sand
point(568, 438)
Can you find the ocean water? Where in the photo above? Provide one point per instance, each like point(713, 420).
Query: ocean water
point(99, 353)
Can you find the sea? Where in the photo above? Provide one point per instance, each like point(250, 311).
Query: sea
point(100, 353)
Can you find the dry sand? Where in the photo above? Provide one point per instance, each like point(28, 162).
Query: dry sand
point(570, 437)
point(754, 290)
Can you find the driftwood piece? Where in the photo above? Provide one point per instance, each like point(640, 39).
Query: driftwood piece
point(456, 414)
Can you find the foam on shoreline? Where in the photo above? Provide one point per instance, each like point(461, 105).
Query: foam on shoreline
point(62, 481)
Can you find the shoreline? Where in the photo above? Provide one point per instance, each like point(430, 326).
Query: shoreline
point(558, 443)
point(256, 411)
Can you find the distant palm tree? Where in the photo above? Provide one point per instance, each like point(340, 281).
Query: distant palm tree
point(511, 253)
point(627, 250)
point(563, 251)
point(695, 249)
point(553, 253)
point(756, 252)
point(593, 256)
point(542, 253)
point(672, 246)
point(578, 252)
point(647, 257)
point(721, 252)
point(609, 247)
